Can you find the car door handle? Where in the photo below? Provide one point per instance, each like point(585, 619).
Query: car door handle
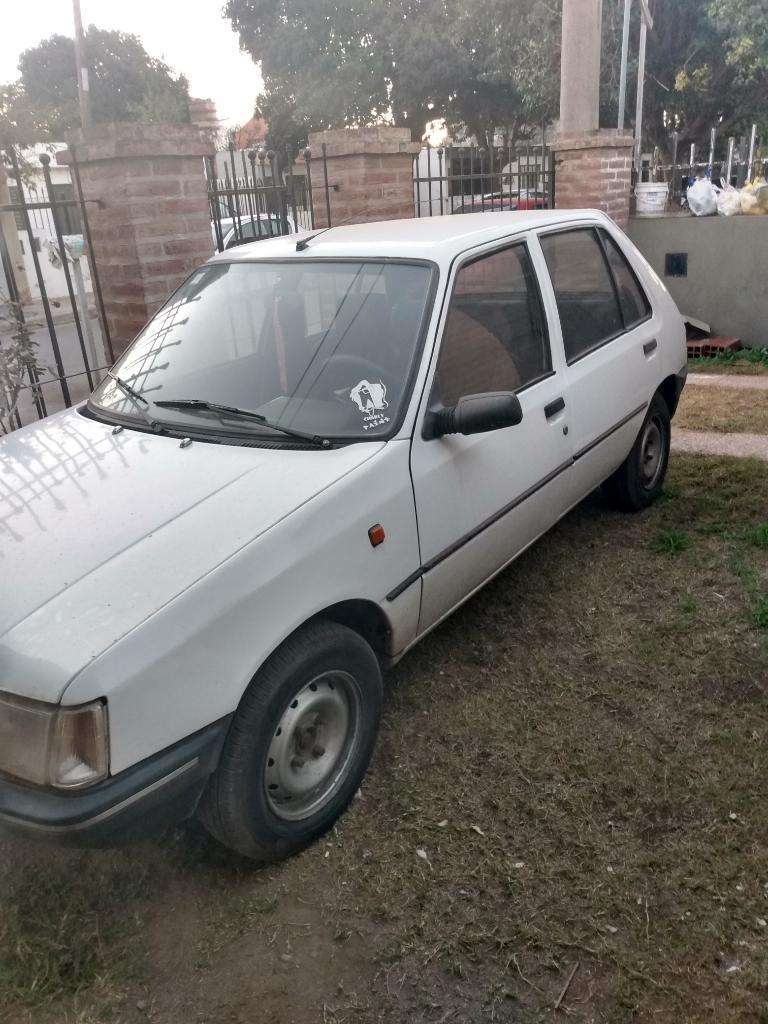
point(554, 407)
point(650, 346)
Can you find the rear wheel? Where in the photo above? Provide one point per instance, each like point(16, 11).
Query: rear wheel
point(298, 746)
point(640, 478)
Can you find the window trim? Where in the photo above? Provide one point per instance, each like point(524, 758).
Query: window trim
point(596, 229)
point(475, 257)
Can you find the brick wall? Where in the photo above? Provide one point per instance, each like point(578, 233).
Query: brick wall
point(370, 171)
point(152, 226)
point(593, 171)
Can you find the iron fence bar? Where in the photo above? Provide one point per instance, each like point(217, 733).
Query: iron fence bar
point(40, 281)
point(92, 261)
point(248, 194)
point(440, 169)
point(18, 313)
point(429, 175)
point(292, 193)
point(492, 189)
point(262, 157)
point(45, 160)
point(210, 173)
point(327, 190)
point(234, 185)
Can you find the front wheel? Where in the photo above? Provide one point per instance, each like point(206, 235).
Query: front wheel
point(639, 479)
point(298, 746)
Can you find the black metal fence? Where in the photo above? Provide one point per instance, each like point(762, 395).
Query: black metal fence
point(54, 347)
point(733, 159)
point(257, 194)
point(473, 179)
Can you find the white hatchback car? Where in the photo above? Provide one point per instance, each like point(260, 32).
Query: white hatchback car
point(313, 453)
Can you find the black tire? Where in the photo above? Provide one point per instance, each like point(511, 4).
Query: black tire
point(639, 479)
point(293, 708)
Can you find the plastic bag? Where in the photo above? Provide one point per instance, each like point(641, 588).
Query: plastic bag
point(702, 198)
point(754, 197)
point(728, 201)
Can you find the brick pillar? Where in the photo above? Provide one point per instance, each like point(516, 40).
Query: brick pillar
point(370, 172)
point(594, 170)
point(153, 225)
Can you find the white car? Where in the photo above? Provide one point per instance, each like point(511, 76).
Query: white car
point(251, 228)
point(317, 449)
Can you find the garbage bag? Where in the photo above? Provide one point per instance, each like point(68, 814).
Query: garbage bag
point(754, 197)
point(702, 198)
point(728, 201)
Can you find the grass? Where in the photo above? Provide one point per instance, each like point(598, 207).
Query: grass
point(580, 754)
point(725, 410)
point(747, 361)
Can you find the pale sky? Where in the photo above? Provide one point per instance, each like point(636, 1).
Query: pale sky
point(190, 35)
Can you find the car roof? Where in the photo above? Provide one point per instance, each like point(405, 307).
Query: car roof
point(439, 239)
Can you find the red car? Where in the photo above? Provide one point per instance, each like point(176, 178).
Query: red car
point(527, 199)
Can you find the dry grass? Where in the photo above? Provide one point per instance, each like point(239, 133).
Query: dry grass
point(580, 754)
point(725, 410)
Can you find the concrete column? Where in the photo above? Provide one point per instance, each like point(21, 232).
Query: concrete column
point(580, 66)
point(370, 171)
point(153, 225)
point(593, 170)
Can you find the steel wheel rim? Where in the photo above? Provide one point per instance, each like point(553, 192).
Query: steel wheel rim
point(651, 453)
point(312, 746)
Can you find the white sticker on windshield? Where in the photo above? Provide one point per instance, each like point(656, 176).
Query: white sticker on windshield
point(370, 397)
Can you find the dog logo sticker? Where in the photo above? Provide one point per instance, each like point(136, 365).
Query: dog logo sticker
point(370, 397)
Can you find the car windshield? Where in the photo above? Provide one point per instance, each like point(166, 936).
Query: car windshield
point(323, 347)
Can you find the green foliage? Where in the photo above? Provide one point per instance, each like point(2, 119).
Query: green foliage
point(18, 359)
point(126, 83)
point(670, 542)
point(488, 64)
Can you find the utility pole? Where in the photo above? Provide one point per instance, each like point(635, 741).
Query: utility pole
point(624, 58)
point(83, 90)
point(646, 23)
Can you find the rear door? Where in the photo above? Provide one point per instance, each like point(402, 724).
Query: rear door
point(480, 499)
point(609, 336)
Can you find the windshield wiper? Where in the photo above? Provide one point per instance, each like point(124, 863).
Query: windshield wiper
point(232, 410)
point(126, 388)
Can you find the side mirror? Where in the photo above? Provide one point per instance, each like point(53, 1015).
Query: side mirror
point(474, 414)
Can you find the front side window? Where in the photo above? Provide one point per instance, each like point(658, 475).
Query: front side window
point(494, 337)
point(325, 347)
point(586, 297)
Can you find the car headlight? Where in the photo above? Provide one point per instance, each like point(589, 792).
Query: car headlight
point(51, 745)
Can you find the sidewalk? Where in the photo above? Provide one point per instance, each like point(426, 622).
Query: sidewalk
point(61, 310)
point(712, 443)
point(729, 380)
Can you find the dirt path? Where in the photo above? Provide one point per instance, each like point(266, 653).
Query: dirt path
point(727, 380)
point(712, 443)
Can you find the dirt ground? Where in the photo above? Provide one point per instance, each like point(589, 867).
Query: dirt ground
point(566, 809)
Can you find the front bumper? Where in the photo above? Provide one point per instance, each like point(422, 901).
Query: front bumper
point(156, 793)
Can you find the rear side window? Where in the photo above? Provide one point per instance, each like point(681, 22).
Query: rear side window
point(586, 297)
point(494, 338)
point(633, 300)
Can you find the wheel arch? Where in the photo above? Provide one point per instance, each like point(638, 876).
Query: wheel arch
point(669, 391)
point(364, 617)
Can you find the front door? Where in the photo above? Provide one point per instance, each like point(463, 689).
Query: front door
point(481, 499)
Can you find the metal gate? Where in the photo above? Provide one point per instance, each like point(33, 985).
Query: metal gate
point(257, 194)
point(473, 179)
point(54, 339)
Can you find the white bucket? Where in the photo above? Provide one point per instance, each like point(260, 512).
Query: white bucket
point(651, 197)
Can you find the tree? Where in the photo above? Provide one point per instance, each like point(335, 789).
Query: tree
point(127, 84)
point(495, 64)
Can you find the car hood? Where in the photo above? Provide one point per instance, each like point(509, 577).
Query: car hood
point(99, 530)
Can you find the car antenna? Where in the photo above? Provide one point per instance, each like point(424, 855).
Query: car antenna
point(303, 243)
